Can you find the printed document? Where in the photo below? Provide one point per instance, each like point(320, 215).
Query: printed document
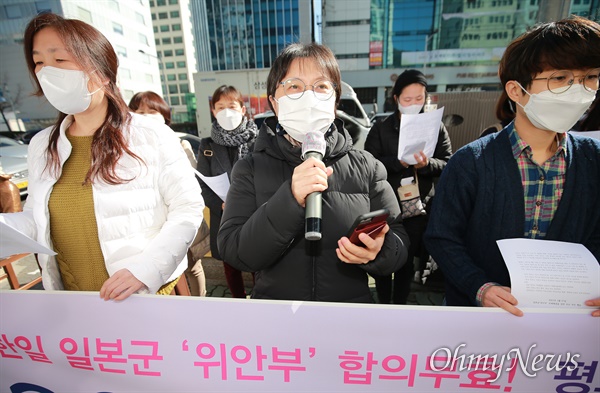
point(219, 184)
point(13, 242)
point(419, 132)
point(591, 134)
point(547, 273)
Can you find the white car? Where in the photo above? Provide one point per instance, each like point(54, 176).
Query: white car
point(13, 160)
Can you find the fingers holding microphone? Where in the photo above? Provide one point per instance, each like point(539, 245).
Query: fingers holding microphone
point(308, 177)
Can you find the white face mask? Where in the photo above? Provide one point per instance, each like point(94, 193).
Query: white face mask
point(411, 109)
point(155, 116)
point(557, 112)
point(66, 90)
point(306, 114)
point(229, 119)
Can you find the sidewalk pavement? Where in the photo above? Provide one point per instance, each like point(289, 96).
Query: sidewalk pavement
point(431, 293)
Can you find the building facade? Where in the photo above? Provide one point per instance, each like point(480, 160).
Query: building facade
point(456, 43)
point(126, 24)
point(242, 35)
point(175, 54)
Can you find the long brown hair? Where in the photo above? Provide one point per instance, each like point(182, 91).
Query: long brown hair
point(93, 53)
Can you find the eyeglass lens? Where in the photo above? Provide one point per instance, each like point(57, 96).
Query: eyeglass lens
point(561, 81)
point(295, 88)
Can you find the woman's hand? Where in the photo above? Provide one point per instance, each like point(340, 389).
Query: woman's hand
point(498, 296)
point(308, 177)
point(351, 253)
point(120, 286)
point(594, 303)
point(422, 160)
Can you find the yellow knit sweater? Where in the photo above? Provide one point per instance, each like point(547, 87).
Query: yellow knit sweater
point(73, 222)
point(73, 226)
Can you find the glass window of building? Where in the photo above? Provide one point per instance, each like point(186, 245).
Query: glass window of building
point(168, 53)
point(151, 3)
point(84, 15)
point(183, 77)
point(156, 41)
point(121, 50)
point(43, 6)
point(173, 2)
point(143, 39)
point(155, 28)
point(171, 77)
point(113, 5)
point(174, 14)
point(117, 28)
point(164, 28)
point(161, 2)
point(166, 40)
point(153, 16)
point(13, 11)
point(169, 65)
point(177, 40)
point(184, 88)
point(163, 15)
point(124, 73)
point(173, 89)
point(181, 64)
point(179, 52)
point(174, 100)
point(176, 27)
point(140, 18)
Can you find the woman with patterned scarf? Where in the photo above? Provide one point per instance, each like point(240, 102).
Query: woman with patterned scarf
point(232, 138)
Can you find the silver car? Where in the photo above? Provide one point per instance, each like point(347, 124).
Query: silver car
point(13, 160)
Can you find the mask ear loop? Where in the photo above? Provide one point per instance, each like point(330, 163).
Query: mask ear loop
point(510, 105)
point(98, 89)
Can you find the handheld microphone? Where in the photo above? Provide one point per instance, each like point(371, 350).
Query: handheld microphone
point(313, 146)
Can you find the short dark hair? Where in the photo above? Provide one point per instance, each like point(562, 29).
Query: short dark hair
point(152, 101)
point(321, 54)
point(226, 91)
point(572, 44)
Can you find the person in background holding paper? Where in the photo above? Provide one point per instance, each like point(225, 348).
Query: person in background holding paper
point(263, 225)
point(151, 105)
point(530, 180)
point(410, 94)
point(110, 191)
point(232, 138)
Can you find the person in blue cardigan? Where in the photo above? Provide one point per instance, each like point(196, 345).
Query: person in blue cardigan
point(530, 180)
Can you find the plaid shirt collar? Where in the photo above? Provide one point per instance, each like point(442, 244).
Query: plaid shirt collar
point(519, 145)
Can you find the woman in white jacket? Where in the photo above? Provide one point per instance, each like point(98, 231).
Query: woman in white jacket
point(110, 191)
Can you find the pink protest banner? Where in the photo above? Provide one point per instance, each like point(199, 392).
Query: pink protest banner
point(76, 342)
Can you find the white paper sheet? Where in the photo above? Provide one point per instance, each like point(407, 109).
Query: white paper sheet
point(219, 184)
point(419, 132)
point(13, 242)
point(546, 273)
point(591, 134)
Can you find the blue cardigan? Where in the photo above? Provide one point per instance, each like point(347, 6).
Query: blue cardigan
point(479, 199)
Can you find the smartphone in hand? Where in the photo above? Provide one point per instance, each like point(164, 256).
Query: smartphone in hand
point(370, 223)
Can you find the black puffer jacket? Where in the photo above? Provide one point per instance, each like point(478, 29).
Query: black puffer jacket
point(262, 229)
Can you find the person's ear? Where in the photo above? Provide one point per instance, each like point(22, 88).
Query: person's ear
point(514, 91)
point(243, 110)
point(274, 105)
